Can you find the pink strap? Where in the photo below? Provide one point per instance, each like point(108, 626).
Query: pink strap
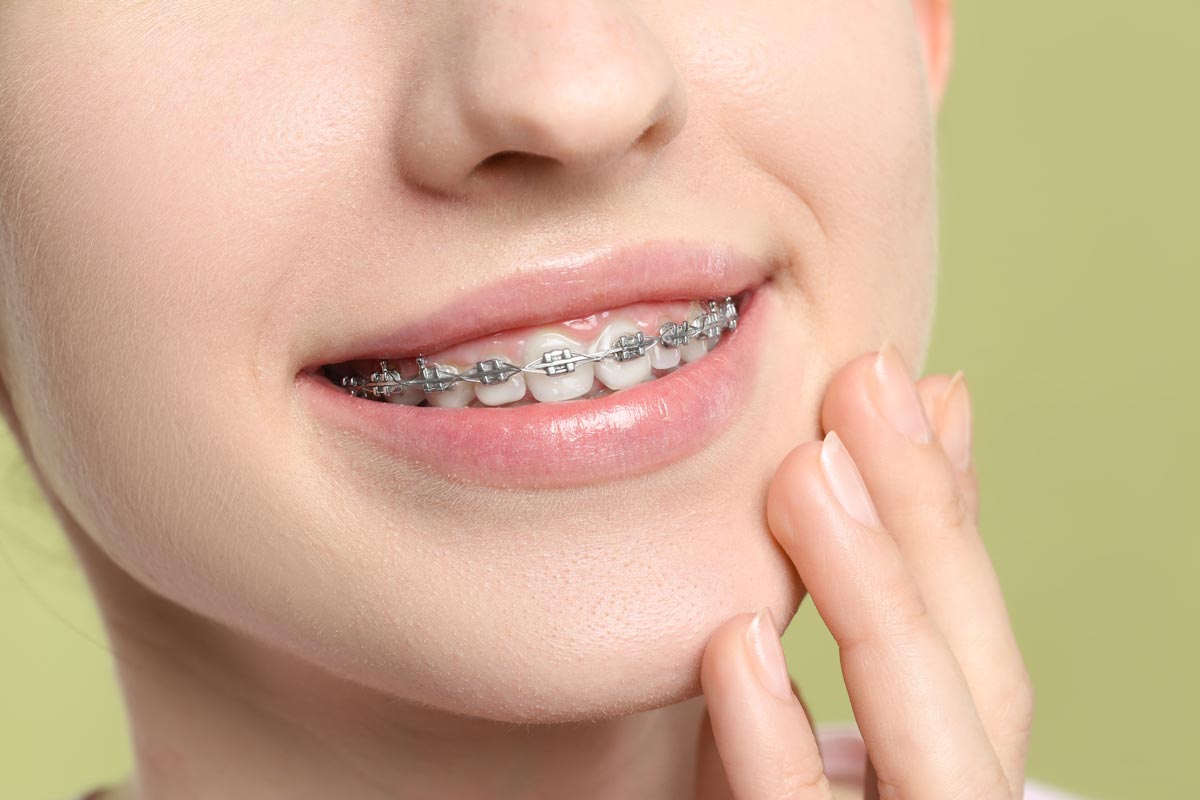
point(845, 757)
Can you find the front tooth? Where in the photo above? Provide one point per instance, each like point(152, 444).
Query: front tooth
point(661, 356)
point(697, 348)
point(555, 388)
point(498, 394)
point(620, 374)
point(694, 350)
point(457, 396)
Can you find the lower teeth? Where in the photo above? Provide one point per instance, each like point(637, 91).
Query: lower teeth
point(557, 371)
point(598, 390)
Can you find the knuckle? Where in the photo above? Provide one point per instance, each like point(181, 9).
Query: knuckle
point(950, 507)
point(899, 617)
point(903, 612)
point(1015, 707)
point(804, 779)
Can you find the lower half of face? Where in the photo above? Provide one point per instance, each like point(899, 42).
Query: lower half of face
point(202, 222)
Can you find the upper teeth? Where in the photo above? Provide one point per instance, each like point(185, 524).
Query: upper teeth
point(631, 366)
point(567, 375)
point(559, 368)
point(499, 386)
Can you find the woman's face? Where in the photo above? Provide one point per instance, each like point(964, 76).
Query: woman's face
point(203, 201)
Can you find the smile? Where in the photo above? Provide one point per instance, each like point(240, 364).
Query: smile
point(602, 396)
point(564, 366)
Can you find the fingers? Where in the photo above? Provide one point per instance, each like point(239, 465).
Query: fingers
point(909, 696)
point(946, 411)
point(928, 504)
point(761, 729)
point(891, 555)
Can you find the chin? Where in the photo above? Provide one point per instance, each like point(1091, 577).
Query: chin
point(604, 632)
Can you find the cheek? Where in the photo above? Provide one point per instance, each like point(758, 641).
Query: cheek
point(160, 216)
point(829, 99)
point(170, 185)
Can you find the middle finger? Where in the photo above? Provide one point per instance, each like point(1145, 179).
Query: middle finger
point(875, 409)
point(913, 706)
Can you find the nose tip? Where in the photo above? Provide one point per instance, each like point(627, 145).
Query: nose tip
point(574, 129)
point(545, 89)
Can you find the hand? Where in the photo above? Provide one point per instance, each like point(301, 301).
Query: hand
point(899, 574)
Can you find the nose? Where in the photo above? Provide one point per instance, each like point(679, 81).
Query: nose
point(537, 88)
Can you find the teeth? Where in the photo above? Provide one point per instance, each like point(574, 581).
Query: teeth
point(497, 394)
point(664, 357)
point(713, 341)
point(410, 396)
point(693, 351)
point(457, 396)
point(557, 367)
point(554, 388)
point(620, 374)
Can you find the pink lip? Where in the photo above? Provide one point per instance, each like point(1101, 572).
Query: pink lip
point(557, 445)
point(659, 270)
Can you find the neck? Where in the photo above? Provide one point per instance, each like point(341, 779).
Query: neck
point(216, 713)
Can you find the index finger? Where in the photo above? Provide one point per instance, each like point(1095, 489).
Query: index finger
point(761, 729)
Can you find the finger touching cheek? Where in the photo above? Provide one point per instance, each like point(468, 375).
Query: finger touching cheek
point(819, 509)
point(904, 682)
point(875, 407)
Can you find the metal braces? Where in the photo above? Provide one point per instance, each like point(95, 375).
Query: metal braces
point(721, 316)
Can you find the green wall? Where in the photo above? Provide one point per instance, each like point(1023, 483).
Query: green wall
point(1070, 271)
point(1070, 183)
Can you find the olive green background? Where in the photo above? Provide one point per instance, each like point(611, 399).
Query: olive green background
point(1070, 262)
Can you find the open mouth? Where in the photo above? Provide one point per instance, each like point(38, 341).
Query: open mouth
point(579, 359)
point(488, 389)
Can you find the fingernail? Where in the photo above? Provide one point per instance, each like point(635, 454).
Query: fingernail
point(846, 482)
point(762, 643)
point(954, 422)
point(895, 394)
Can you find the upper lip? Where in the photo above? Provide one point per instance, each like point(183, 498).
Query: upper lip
point(606, 279)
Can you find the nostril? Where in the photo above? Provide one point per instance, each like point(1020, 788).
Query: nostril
point(498, 159)
point(647, 136)
point(510, 160)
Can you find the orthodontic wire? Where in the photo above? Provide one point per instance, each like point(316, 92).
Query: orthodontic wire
point(721, 316)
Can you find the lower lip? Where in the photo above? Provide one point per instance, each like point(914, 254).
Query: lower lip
point(572, 443)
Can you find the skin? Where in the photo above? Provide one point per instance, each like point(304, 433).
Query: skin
point(194, 196)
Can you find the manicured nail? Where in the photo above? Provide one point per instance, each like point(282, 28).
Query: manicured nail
point(846, 482)
point(895, 394)
point(766, 652)
point(954, 422)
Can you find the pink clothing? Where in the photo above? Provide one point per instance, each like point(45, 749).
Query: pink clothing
point(844, 755)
